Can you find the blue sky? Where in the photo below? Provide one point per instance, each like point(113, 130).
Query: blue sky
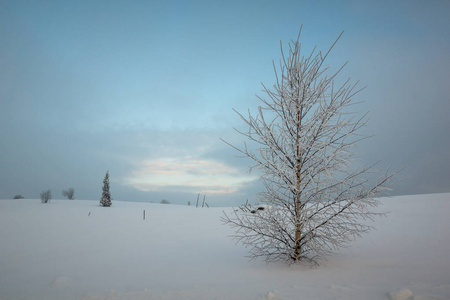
point(145, 89)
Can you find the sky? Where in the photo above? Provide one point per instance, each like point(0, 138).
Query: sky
point(146, 91)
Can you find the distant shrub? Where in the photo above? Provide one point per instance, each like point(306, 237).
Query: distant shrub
point(69, 193)
point(18, 196)
point(46, 196)
point(164, 201)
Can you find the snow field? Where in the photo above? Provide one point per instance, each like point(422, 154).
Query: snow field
point(75, 249)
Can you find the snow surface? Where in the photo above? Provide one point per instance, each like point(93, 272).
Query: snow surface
point(73, 249)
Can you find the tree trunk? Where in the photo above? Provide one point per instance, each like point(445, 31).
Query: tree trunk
point(298, 202)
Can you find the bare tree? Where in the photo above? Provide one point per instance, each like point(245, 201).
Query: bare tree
point(303, 135)
point(69, 193)
point(46, 196)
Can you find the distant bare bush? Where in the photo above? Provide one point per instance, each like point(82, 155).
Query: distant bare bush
point(164, 201)
point(69, 193)
point(18, 196)
point(46, 196)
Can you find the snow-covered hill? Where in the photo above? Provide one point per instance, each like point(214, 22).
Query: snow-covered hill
point(78, 250)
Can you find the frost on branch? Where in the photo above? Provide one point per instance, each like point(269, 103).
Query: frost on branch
point(305, 136)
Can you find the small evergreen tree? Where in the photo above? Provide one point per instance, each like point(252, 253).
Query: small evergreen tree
point(105, 200)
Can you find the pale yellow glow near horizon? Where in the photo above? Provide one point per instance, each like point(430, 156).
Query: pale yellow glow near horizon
point(188, 175)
